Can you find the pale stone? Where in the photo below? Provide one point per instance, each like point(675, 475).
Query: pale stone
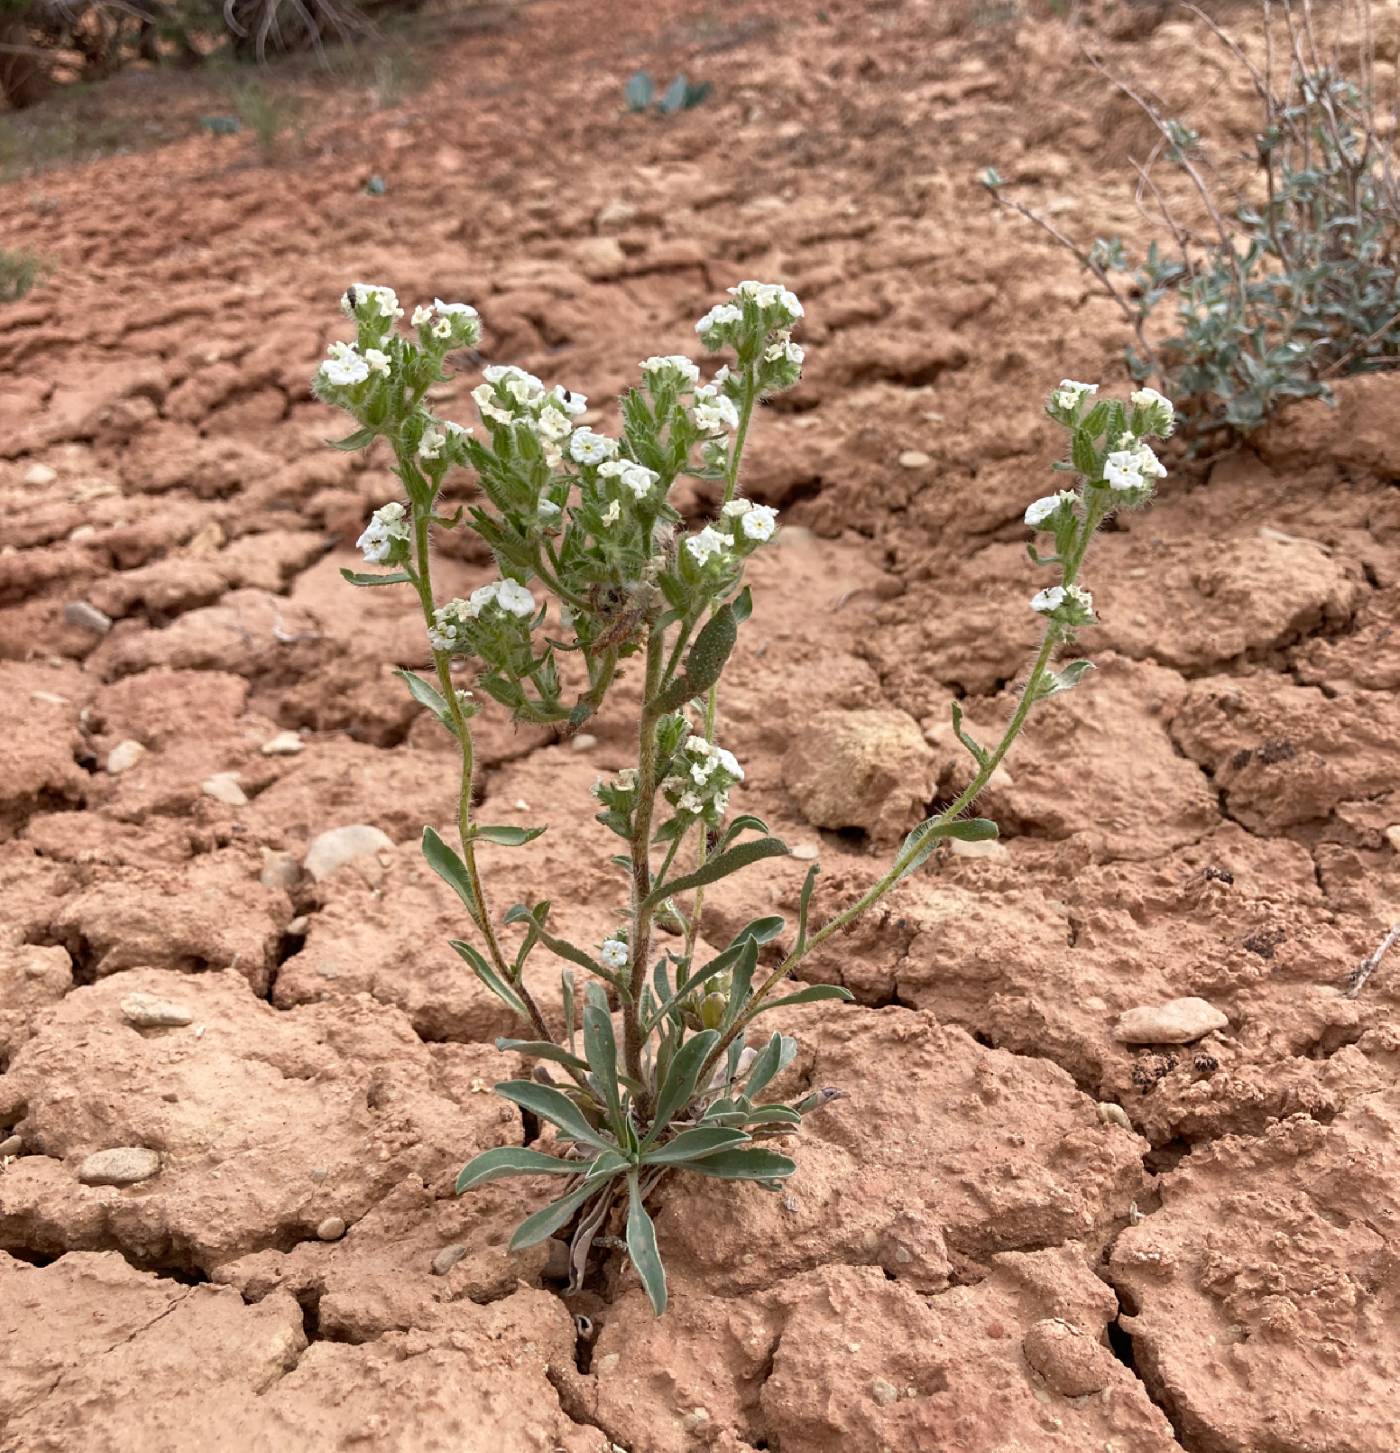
point(284, 744)
point(124, 1166)
point(331, 1229)
point(340, 845)
point(223, 787)
point(584, 741)
point(40, 475)
point(279, 870)
point(124, 756)
point(1178, 1021)
point(914, 459)
point(447, 1258)
point(87, 617)
point(146, 1011)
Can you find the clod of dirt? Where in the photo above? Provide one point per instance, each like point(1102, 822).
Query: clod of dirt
point(244, 1109)
point(1072, 1363)
point(1264, 1289)
point(1178, 1021)
point(32, 980)
point(870, 770)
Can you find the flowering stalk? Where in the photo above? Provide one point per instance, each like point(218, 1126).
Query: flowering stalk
point(584, 519)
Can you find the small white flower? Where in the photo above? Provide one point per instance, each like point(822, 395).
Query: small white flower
point(515, 599)
point(614, 953)
point(445, 633)
point(677, 363)
point(785, 349)
point(689, 802)
point(613, 513)
point(1149, 398)
point(422, 316)
point(480, 598)
point(1148, 464)
point(455, 430)
point(386, 525)
point(572, 403)
point(484, 396)
point(706, 543)
point(730, 763)
point(552, 425)
point(712, 411)
point(1048, 600)
point(736, 507)
point(548, 509)
point(442, 328)
point(1123, 470)
point(639, 479)
point(344, 368)
point(454, 310)
point(378, 362)
point(590, 448)
point(770, 295)
point(1042, 509)
point(431, 445)
point(759, 522)
point(1070, 392)
point(626, 779)
point(720, 316)
point(380, 300)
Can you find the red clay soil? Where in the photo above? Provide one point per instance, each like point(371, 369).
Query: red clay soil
point(1016, 1233)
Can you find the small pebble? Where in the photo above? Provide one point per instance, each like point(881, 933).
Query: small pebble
point(331, 1229)
point(298, 926)
point(340, 845)
point(447, 1258)
point(39, 475)
point(884, 1392)
point(284, 744)
point(584, 742)
point(992, 848)
point(223, 787)
point(11, 1145)
point(48, 698)
point(914, 459)
point(146, 1011)
point(81, 533)
point(695, 1418)
point(279, 870)
point(806, 852)
point(1178, 1021)
point(1392, 836)
point(87, 617)
point(124, 756)
point(124, 1166)
point(319, 1174)
point(1112, 1114)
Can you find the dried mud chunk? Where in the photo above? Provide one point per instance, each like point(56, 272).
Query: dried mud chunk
point(266, 1123)
point(870, 770)
point(31, 980)
point(39, 725)
point(97, 1355)
point(980, 1151)
point(1099, 763)
point(1286, 756)
point(1264, 1289)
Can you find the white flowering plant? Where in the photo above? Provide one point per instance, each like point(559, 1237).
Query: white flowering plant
point(655, 1068)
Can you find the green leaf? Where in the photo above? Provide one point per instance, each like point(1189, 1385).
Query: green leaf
point(451, 869)
point(546, 1221)
point(674, 96)
point(979, 752)
point(512, 1160)
point(678, 1088)
point(761, 930)
point(773, 1115)
point(1054, 682)
point(542, 1049)
point(427, 695)
point(508, 837)
point(601, 1049)
point(704, 662)
point(812, 994)
point(491, 979)
point(358, 440)
point(1084, 455)
point(739, 982)
point(804, 907)
point(552, 1105)
point(690, 1144)
point(639, 91)
point(929, 833)
point(641, 1246)
point(745, 822)
point(772, 1059)
point(356, 577)
point(744, 1165)
point(720, 866)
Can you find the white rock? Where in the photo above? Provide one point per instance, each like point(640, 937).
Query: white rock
point(223, 787)
point(1392, 836)
point(914, 459)
point(124, 1166)
point(11, 1145)
point(331, 1229)
point(87, 617)
point(284, 744)
point(989, 849)
point(341, 845)
point(39, 475)
point(48, 698)
point(806, 852)
point(447, 1258)
point(1178, 1021)
point(584, 741)
point(124, 756)
point(146, 1011)
point(279, 870)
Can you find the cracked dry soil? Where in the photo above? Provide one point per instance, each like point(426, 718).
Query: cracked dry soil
point(975, 1256)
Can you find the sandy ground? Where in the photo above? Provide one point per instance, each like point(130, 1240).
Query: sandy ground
point(1016, 1233)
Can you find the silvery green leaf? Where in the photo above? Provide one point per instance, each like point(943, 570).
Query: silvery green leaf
point(450, 868)
point(690, 1144)
point(929, 833)
point(979, 752)
point(804, 906)
point(552, 1105)
point(720, 866)
point(512, 1160)
point(488, 976)
point(427, 695)
point(641, 1246)
point(542, 1049)
point(358, 440)
point(812, 994)
point(744, 1165)
point(678, 1087)
point(1054, 682)
point(546, 1221)
point(360, 577)
point(508, 837)
point(673, 98)
point(639, 91)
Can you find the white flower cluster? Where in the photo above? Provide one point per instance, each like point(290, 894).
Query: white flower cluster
point(614, 953)
point(702, 784)
point(456, 324)
point(1047, 512)
point(1132, 466)
point(751, 521)
point(713, 412)
point(345, 367)
point(632, 476)
point(1071, 394)
point(1158, 413)
point(370, 301)
point(510, 396)
point(386, 535)
point(777, 308)
point(674, 368)
point(706, 544)
point(449, 629)
point(1071, 604)
point(769, 297)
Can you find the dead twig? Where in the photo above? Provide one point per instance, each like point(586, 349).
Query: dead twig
point(1371, 963)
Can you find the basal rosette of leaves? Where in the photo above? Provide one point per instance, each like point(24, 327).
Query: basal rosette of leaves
point(657, 1068)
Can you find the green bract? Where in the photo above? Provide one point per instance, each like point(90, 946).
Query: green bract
point(657, 1069)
